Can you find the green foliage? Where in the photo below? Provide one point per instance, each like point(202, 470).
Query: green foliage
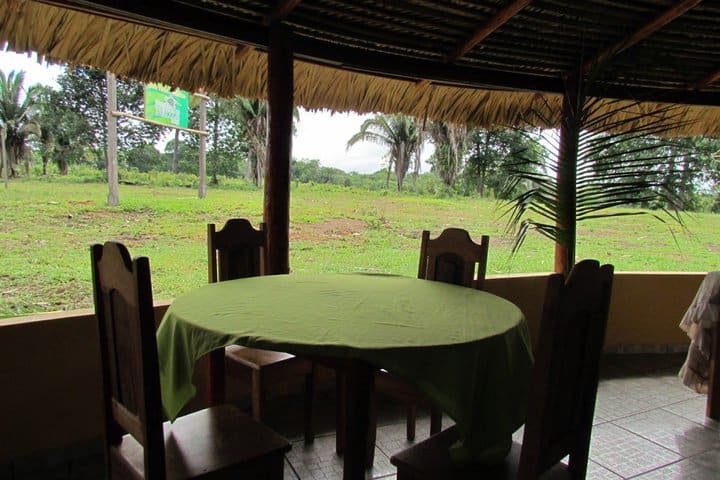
point(130, 176)
point(144, 158)
point(187, 156)
point(62, 130)
point(490, 153)
point(84, 91)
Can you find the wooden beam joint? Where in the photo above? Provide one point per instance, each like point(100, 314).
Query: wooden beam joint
point(709, 80)
point(495, 22)
point(281, 11)
point(642, 33)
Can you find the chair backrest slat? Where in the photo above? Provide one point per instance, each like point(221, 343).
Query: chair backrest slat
point(236, 251)
point(126, 326)
point(453, 257)
point(562, 398)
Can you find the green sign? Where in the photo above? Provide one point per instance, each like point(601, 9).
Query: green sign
point(166, 106)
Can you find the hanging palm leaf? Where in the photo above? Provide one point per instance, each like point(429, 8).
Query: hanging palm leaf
point(623, 159)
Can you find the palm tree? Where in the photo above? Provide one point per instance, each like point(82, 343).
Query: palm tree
point(253, 115)
point(17, 117)
point(451, 144)
point(399, 133)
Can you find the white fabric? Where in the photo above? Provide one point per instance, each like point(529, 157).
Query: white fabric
point(700, 318)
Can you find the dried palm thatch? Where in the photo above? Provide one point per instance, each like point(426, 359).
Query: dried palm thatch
point(197, 63)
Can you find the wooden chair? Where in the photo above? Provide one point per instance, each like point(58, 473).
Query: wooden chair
point(220, 442)
point(452, 257)
point(238, 251)
point(562, 395)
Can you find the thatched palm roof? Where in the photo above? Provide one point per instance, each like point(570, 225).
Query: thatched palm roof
point(485, 62)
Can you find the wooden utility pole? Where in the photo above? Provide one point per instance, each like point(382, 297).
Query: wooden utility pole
point(567, 175)
point(111, 153)
point(202, 180)
point(279, 149)
point(175, 151)
point(3, 155)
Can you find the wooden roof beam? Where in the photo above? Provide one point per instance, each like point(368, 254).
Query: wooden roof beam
point(497, 20)
point(642, 33)
point(709, 80)
point(281, 11)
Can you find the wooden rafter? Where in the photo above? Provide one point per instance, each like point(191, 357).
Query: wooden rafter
point(710, 79)
point(642, 33)
point(498, 20)
point(281, 11)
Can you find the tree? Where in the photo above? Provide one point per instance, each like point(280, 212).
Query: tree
point(689, 170)
point(249, 117)
point(61, 128)
point(144, 158)
point(489, 154)
point(17, 116)
point(228, 140)
point(399, 134)
point(187, 156)
point(450, 147)
point(84, 92)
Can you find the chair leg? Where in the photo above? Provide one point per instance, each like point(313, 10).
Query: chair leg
point(435, 420)
point(215, 381)
point(309, 398)
point(372, 432)
point(257, 395)
point(410, 422)
point(403, 474)
point(340, 404)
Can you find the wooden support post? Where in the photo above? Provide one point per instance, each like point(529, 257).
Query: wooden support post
point(567, 175)
point(111, 152)
point(279, 150)
point(202, 180)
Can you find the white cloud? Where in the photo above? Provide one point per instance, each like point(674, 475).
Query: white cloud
point(320, 135)
point(323, 135)
point(35, 72)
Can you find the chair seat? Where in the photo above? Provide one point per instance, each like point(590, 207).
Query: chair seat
point(430, 460)
point(256, 358)
point(217, 440)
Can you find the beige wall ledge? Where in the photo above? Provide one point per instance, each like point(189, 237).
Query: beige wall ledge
point(49, 363)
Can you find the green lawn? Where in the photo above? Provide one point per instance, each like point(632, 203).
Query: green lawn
point(46, 229)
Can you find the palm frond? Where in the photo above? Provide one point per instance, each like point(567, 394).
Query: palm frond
point(624, 159)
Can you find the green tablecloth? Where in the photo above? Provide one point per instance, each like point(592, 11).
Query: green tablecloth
point(467, 350)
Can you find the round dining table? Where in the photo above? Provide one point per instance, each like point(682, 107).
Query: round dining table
point(467, 350)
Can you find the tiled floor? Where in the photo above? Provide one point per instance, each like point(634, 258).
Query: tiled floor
point(647, 426)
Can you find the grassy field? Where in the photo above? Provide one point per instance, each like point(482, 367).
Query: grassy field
point(46, 229)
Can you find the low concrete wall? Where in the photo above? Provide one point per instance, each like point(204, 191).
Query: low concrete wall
point(50, 375)
point(645, 308)
point(49, 363)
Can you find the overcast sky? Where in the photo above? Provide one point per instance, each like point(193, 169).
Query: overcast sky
point(320, 135)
